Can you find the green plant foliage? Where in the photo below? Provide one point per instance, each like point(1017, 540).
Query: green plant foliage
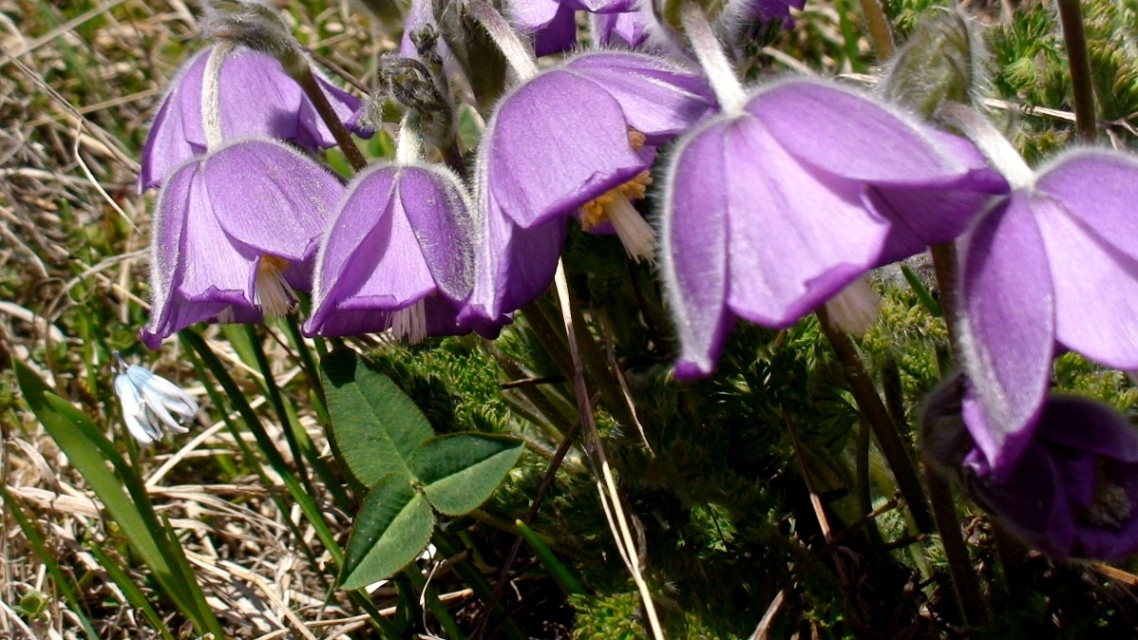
point(393, 526)
point(375, 426)
point(459, 471)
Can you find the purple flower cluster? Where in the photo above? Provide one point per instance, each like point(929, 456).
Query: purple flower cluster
point(773, 199)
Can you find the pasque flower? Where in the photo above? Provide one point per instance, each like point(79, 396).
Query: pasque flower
point(234, 233)
point(794, 192)
point(399, 255)
point(257, 99)
point(1055, 263)
point(573, 141)
point(150, 401)
point(1073, 492)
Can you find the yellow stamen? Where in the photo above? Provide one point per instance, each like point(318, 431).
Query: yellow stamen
point(636, 139)
point(271, 292)
point(616, 206)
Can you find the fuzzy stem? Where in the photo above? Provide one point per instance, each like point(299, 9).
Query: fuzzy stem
point(720, 73)
point(503, 35)
point(879, 31)
point(311, 87)
point(995, 147)
point(871, 406)
point(955, 551)
point(211, 95)
point(408, 148)
point(946, 265)
point(1071, 15)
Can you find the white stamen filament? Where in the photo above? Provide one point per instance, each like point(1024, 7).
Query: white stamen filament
point(211, 95)
point(855, 308)
point(271, 292)
point(410, 323)
point(638, 236)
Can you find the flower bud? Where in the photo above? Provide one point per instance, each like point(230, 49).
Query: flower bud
point(257, 26)
point(942, 61)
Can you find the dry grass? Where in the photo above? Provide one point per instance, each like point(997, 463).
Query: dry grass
point(78, 87)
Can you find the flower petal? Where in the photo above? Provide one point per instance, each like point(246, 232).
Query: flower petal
point(1099, 188)
point(436, 206)
point(270, 197)
point(1096, 287)
point(536, 171)
point(167, 143)
point(513, 266)
point(1007, 327)
point(185, 231)
point(845, 134)
point(658, 98)
point(693, 241)
point(552, 24)
point(352, 245)
point(796, 238)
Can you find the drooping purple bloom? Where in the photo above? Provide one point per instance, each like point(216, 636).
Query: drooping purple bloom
point(552, 24)
point(234, 232)
point(1054, 263)
point(258, 100)
point(1073, 492)
point(399, 256)
point(554, 144)
point(770, 212)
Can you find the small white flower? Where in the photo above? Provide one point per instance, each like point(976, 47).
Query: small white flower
point(149, 401)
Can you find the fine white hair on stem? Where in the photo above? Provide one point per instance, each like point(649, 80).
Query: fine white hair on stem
point(211, 95)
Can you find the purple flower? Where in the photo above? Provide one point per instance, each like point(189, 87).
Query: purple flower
point(398, 256)
point(555, 144)
point(551, 24)
point(234, 234)
point(1073, 492)
point(1054, 262)
point(770, 211)
point(258, 100)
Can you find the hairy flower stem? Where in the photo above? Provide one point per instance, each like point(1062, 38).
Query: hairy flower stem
point(965, 582)
point(211, 95)
point(946, 265)
point(879, 31)
point(720, 73)
point(871, 406)
point(964, 578)
point(517, 54)
point(606, 481)
point(311, 87)
point(1071, 15)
